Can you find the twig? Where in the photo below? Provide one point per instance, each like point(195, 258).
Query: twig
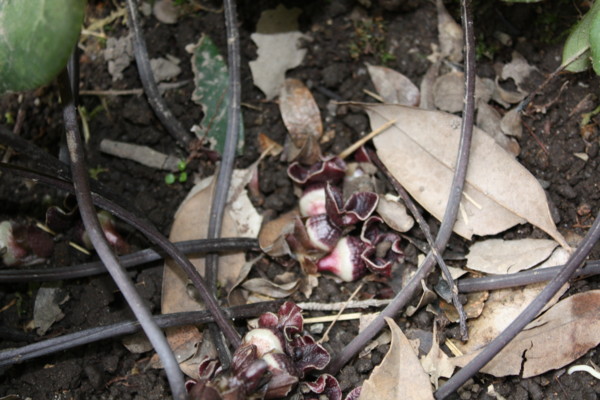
point(353, 147)
point(162, 87)
point(94, 231)
point(325, 336)
point(311, 306)
point(128, 261)
point(532, 310)
point(406, 294)
point(219, 200)
point(86, 336)
point(156, 101)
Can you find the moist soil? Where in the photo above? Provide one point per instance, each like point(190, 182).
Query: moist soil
point(333, 70)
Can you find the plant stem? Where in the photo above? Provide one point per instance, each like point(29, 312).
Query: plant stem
point(86, 336)
point(406, 294)
point(94, 231)
point(156, 101)
point(127, 261)
point(222, 185)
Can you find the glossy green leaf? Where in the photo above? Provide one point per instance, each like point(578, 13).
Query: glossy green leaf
point(36, 39)
point(595, 40)
point(212, 82)
point(579, 42)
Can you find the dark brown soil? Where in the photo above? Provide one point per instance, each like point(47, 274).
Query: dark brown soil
point(106, 370)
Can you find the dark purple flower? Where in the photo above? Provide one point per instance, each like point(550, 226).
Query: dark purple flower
point(322, 232)
point(288, 320)
point(382, 249)
point(331, 169)
point(312, 201)
point(23, 244)
point(358, 207)
point(345, 260)
point(307, 354)
point(325, 387)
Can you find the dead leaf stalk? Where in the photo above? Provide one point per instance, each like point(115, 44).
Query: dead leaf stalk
point(156, 101)
point(96, 234)
point(219, 201)
point(406, 294)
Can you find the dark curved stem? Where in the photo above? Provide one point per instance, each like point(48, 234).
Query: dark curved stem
point(156, 101)
point(96, 234)
point(406, 294)
point(86, 336)
point(219, 200)
point(128, 261)
point(525, 317)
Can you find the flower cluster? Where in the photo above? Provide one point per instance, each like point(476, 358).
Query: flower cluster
point(322, 241)
point(272, 360)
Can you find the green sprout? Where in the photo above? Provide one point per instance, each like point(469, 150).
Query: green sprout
point(181, 177)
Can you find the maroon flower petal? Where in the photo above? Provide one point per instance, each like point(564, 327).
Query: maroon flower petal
point(375, 264)
point(280, 386)
point(359, 207)
point(266, 340)
point(290, 319)
point(323, 234)
point(326, 386)
point(330, 169)
point(362, 155)
point(312, 201)
point(354, 394)
point(268, 320)
point(345, 260)
point(307, 354)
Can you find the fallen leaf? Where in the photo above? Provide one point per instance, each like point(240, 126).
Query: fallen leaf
point(165, 69)
point(511, 123)
point(277, 41)
point(393, 87)
point(489, 120)
point(498, 256)
point(211, 80)
point(191, 222)
point(302, 118)
point(559, 336)
point(271, 238)
point(420, 152)
point(427, 297)
point(436, 363)
point(472, 308)
point(265, 287)
point(450, 34)
point(400, 375)
point(503, 306)
point(165, 11)
point(506, 97)
point(426, 87)
point(46, 309)
point(449, 91)
point(394, 214)
point(184, 341)
point(518, 70)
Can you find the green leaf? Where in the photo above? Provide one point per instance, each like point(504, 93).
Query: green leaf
point(169, 179)
point(578, 42)
point(595, 41)
point(36, 39)
point(212, 82)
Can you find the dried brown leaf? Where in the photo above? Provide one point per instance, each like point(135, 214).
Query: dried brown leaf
point(561, 335)
point(449, 91)
point(393, 87)
point(420, 152)
point(436, 363)
point(400, 375)
point(450, 34)
point(265, 287)
point(498, 256)
point(503, 306)
point(489, 120)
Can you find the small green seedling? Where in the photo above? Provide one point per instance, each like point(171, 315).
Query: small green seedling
point(181, 177)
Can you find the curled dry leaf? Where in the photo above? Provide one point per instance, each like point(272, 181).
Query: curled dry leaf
point(427, 84)
point(420, 152)
point(278, 47)
point(561, 335)
point(450, 34)
point(498, 256)
point(393, 87)
point(394, 214)
point(506, 97)
point(436, 363)
point(473, 307)
point(503, 306)
point(274, 290)
point(400, 374)
point(518, 70)
point(302, 118)
point(449, 91)
point(511, 124)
